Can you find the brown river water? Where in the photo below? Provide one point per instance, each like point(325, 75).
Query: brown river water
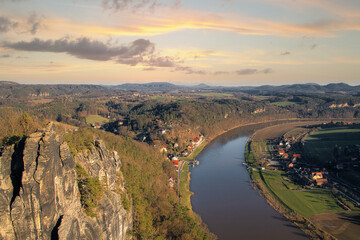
point(226, 201)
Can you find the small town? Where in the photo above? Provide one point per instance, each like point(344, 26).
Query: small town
point(286, 153)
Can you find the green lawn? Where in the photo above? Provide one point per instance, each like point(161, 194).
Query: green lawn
point(96, 119)
point(304, 202)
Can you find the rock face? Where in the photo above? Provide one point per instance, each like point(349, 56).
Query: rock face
point(39, 196)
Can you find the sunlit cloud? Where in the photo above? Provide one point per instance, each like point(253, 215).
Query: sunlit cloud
point(172, 21)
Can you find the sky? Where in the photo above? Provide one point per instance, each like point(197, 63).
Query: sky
point(216, 42)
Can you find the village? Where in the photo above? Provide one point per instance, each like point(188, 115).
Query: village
point(285, 154)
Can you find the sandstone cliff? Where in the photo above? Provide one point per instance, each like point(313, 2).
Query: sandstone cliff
point(39, 194)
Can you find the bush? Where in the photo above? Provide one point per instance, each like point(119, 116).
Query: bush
point(12, 139)
point(90, 190)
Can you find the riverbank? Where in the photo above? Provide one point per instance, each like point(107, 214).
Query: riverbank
point(249, 127)
point(269, 184)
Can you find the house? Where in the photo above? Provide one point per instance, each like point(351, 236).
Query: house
point(321, 182)
point(197, 141)
point(171, 182)
point(285, 156)
point(175, 160)
point(162, 131)
point(281, 151)
point(316, 175)
point(189, 148)
point(142, 138)
point(163, 149)
point(297, 155)
point(291, 165)
point(185, 153)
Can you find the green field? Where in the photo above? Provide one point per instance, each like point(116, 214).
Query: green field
point(185, 186)
point(282, 104)
point(259, 150)
point(215, 94)
point(96, 119)
point(304, 202)
point(320, 145)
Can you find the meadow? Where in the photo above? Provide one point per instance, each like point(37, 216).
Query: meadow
point(96, 119)
point(319, 146)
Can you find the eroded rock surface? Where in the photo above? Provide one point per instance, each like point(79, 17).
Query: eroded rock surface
point(39, 196)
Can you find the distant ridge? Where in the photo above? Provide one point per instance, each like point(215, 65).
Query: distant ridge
point(9, 89)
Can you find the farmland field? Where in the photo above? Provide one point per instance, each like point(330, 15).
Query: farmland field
point(304, 202)
point(96, 119)
point(320, 145)
point(279, 130)
point(283, 104)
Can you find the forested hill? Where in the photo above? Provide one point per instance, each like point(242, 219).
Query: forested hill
point(15, 90)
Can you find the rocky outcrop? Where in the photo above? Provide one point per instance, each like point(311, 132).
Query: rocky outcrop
point(39, 196)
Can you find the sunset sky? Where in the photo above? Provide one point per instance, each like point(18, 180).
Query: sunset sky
point(217, 42)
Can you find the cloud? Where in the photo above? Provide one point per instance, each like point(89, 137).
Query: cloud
point(247, 71)
point(86, 48)
point(313, 46)
point(149, 69)
point(7, 25)
point(35, 22)
point(189, 70)
point(285, 53)
point(162, 61)
point(5, 56)
point(137, 4)
point(220, 73)
point(251, 71)
point(267, 71)
point(140, 51)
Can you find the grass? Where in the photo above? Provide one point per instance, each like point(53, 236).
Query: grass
point(96, 119)
point(304, 202)
point(195, 153)
point(320, 145)
point(256, 152)
point(185, 186)
point(283, 104)
point(215, 94)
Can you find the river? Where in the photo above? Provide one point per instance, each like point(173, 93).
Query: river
point(226, 201)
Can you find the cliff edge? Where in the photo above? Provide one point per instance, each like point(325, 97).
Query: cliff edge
point(39, 191)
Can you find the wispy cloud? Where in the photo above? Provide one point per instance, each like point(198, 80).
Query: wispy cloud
point(137, 4)
point(7, 25)
point(5, 56)
point(35, 22)
point(313, 46)
point(131, 24)
point(251, 71)
point(285, 53)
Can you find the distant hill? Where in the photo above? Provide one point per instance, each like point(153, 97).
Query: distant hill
point(16, 90)
point(10, 89)
point(153, 86)
point(305, 88)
